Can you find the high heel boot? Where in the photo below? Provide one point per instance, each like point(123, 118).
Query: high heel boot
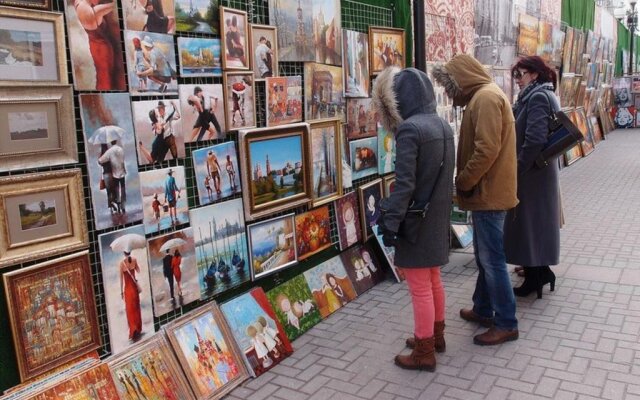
point(532, 283)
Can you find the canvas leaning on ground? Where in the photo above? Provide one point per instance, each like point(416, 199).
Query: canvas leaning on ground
point(294, 306)
point(330, 286)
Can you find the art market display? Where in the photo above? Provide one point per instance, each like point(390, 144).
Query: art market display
point(272, 245)
point(294, 306)
point(234, 39)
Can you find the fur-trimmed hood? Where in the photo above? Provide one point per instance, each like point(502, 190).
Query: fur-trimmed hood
point(399, 94)
point(461, 78)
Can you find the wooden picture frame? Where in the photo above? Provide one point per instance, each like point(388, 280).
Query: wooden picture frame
point(44, 5)
point(387, 184)
point(255, 146)
point(377, 59)
point(52, 55)
point(51, 138)
point(260, 235)
point(240, 83)
point(284, 100)
point(369, 213)
point(31, 295)
point(270, 33)
point(36, 227)
point(238, 61)
point(325, 161)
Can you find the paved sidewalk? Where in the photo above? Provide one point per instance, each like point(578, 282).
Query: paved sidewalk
point(579, 342)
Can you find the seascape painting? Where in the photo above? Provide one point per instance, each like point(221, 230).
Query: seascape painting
point(199, 57)
point(164, 197)
point(272, 245)
point(216, 169)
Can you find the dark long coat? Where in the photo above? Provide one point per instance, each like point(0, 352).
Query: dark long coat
point(532, 228)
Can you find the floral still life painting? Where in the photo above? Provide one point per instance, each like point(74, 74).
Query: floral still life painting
point(313, 232)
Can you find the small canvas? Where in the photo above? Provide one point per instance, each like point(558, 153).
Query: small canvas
point(151, 63)
point(235, 39)
point(355, 48)
point(239, 100)
point(272, 245)
point(216, 169)
point(362, 119)
point(294, 306)
point(330, 286)
point(389, 253)
point(370, 196)
point(150, 16)
point(293, 18)
point(313, 232)
point(327, 28)
point(202, 109)
point(158, 131)
point(264, 51)
point(463, 233)
point(323, 92)
point(528, 35)
point(164, 196)
point(199, 57)
point(363, 267)
point(284, 100)
point(200, 16)
point(364, 158)
point(386, 151)
point(348, 220)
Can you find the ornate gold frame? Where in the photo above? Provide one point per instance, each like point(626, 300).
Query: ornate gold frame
point(336, 124)
point(32, 4)
point(390, 31)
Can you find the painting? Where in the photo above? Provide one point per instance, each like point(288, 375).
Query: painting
point(156, 16)
point(41, 215)
point(623, 117)
point(573, 155)
point(362, 119)
point(240, 100)
point(348, 220)
point(313, 232)
point(151, 63)
point(127, 291)
point(221, 247)
point(216, 169)
point(355, 47)
point(173, 272)
point(35, 4)
point(275, 163)
point(347, 181)
point(496, 32)
point(326, 172)
point(38, 127)
point(441, 38)
point(202, 110)
point(157, 127)
point(235, 42)
point(388, 183)
point(567, 50)
point(259, 334)
point(327, 28)
point(149, 371)
point(463, 234)
point(323, 92)
point(264, 50)
point(579, 119)
point(363, 267)
point(53, 318)
point(389, 254)
point(206, 352)
point(330, 286)
point(199, 57)
point(386, 151)
point(545, 41)
point(164, 198)
point(370, 195)
point(272, 245)
point(622, 92)
point(386, 48)
point(364, 160)
point(200, 16)
point(284, 100)
point(294, 20)
point(110, 149)
point(32, 48)
point(528, 35)
point(595, 129)
point(557, 47)
point(94, 382)
point(294, 306)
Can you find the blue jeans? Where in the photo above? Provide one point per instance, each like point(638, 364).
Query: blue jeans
point(493, 296)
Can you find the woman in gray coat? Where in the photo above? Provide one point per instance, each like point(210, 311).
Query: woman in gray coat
point(416, 216)
point(532, 228)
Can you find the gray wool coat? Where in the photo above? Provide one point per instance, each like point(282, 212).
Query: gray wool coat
point(406, 104)
point(532, 228)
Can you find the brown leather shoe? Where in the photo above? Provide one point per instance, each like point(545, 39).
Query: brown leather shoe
point(438, 335)
point(471, 316)
point(422, 357)
point(495, 336)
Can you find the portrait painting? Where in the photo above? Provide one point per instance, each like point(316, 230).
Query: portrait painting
point(284, 100)
point(295, 306)
point(622, 92)
point(202, 112)
point(110, 149)
point(272, 245)
point(363, 267)
point(151, 63)
point(127, 291)
point(348, 220)
point(53, 318)
point(364, 157)
point(330, 286)
point(441, 40)
point(264, 50)
point(199, 57)
point(355, 47)
point(199, 16)
point(96, 48)
point(313, 232)
point(327, 28)
point(221, 247)
point(294, 20)
point(389, 254)
point(528, 35)
point(386, 151)
point(173, 272)
point(370, 195)
point(623, 117)
point(164, 198)
point(156, 16)
point(496, 32)
point(157, 125)
point(386, 48)
point(257, 331)
point(240, 100)
point(235, 39)
point(323, 92)
point(362, 120)
point(93, 382)
point(326, 168)
point(216, 169)
point(207, 352)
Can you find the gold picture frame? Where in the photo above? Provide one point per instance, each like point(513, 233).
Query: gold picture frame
point(377, 58)
point(320, 146)
point(272, 38)
point(42, 215)
point(242, 24)
point(32, 4)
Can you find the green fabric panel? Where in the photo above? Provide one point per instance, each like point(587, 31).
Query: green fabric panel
point(623, 43)
point(589, 15)
point(578, 13)
point(402, 19)
point(565, 15)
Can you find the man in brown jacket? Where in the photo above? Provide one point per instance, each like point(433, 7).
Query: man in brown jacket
point(486, 186)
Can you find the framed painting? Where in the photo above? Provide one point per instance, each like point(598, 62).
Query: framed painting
point(272, 246)
point(41, 215)
point(199, 16)
point(127, 291)
point(41, 335)
point(207, 352)
point(284, 100)
point(348, 220)
point(386, 151)
point(362, 120)
point(388, 183)
point(295, 306)
point(221, 247)
point(573, 155)
point(330, 286)
point(580, 121)
point(313, 232)
point(557, 38)
point(34, 4)
point(38, 127)
point(363, 156)
point(363, 268)
point(355, 48)
point(157, 127)
point(275, 169)
point(327, 28)
point(216, 169)
point(386, 48)
point(323, 92)
point(370, 195)
point(157, 16)
point(256, 329)
point(528, 35)
point(93, 382)
point(389, 254)
point(264, 50)
point(153, 366)
point(347, 178)
point(595, 128)
point(202, 110)
point(151, 63)
point(240, 100)
point(326, 168)
point(32, 47)
point(463, 234)
point(566, 51)
point(199, 57)
point(164, 198)
point(235, 39)
point(173, 273)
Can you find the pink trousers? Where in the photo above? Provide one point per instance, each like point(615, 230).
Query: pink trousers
point(427, 296)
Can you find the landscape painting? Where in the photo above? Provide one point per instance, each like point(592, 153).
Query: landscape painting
point(330, 286)
point(28, 125)
point(21, 47)
point(295, 306)
point(327, 31)
point(313, 232)
point(216, 169)
point(294, 20)
point(37, 214)
point(199, 57)
point(363, 267)
point(164, 197)
point(272, 245)
point(201, 16)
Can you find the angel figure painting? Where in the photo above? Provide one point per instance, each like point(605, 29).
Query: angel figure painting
point(294, 306)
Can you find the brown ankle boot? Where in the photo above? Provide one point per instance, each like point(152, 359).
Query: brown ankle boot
point(422, 357)
point(438, 334)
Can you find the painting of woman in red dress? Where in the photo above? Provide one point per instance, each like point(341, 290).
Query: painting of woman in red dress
point(177, 272)
point(130, 294)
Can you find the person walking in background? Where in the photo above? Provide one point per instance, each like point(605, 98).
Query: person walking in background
point(406, 104)
point(532, 228)
point(171, 196)
point(486, 186)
